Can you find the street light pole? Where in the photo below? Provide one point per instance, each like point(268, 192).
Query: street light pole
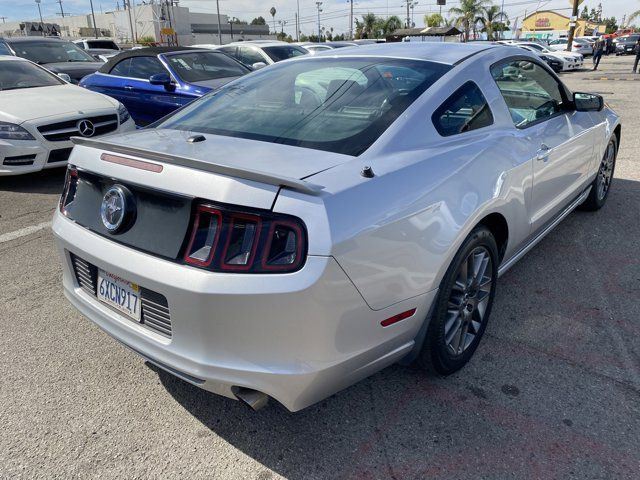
point(298, 21)
point(40, 12)
point(351, 19)
point(93, 15)
point(219, 27)
point(319, 10)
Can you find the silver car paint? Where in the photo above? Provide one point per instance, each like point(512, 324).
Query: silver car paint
point(377, 246)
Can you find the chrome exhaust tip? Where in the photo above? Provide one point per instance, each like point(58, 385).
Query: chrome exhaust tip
point(252, 398)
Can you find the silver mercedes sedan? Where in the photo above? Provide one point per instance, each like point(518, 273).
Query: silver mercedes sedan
point(320, 219)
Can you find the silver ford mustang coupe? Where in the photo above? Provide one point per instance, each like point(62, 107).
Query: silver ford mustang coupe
point(320, 219)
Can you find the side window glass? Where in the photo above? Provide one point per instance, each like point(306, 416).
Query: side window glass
point(465, 110)
point(144, 67)
point(249, 56)
point(121, 69)
point(532, 94)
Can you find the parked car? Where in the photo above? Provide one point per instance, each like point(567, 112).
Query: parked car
point(55, 54)
point(626, 45)
point(581, 47)
point(570, 61)
point(153, 82)
point(556, 64)
point(312, 48)
point(256, 54)
point(40, 112)
point(325, 217)
point(99, 48)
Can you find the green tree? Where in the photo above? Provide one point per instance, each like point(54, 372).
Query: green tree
point(390, 25)
point(492, 21)
point(584, 13)
point(259, 21)
point(612, 25)
point(467, 14)
point(433, 20)
point(368, 27)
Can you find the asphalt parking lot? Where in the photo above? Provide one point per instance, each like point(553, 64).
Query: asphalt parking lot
point(552, 392)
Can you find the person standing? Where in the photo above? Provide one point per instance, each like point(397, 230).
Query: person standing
point(636, 50)
point(598, 47)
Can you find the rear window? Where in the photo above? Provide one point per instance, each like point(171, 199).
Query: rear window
point(108, 44)
point(340, 105)
point(283, 52)
point(463, 111)
point(202, 66)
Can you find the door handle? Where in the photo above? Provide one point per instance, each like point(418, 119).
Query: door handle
point(128, 87)
point(543, 153)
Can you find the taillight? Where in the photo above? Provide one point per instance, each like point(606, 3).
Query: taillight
point(69, 190)
point(223, 239)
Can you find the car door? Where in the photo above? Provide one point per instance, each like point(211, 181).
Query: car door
point(557, 136)
point(150, 102)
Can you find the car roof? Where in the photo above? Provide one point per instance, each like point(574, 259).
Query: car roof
point(258, 43)
point(145, 52)
point(33, 39)
point(447, 53)
point(11, 57)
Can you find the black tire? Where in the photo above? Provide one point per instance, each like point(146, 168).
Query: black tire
point(437, 353)
point(595, 200)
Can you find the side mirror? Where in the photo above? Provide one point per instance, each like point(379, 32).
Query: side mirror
point(160, 79)
point(64, 77)
point(258, 65)
point(588, 102)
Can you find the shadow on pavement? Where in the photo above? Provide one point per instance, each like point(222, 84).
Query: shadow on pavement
point(45, 181)
point(554, 373)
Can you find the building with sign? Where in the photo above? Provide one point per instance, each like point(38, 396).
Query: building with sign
point(547, 24)
point(161, 23)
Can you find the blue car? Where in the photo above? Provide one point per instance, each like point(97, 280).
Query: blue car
point(153, 82)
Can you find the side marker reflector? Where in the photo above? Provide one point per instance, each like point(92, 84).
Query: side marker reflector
point(398, 317)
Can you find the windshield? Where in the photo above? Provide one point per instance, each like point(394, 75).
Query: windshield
point(53, 51)
point(339, 105)
point(16, 74)
point(202, 66)
point(282, 52)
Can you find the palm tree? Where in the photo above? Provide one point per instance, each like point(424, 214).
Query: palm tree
point(369, 27)
point(492, 19)
point(467, 13)
point(390, 25)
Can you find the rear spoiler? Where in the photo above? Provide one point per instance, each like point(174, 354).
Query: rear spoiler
point(247, 174)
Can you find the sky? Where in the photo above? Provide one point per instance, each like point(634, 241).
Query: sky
point(335, 13)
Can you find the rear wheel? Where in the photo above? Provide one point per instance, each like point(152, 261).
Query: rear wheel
point(463, 305)
point(602, 183)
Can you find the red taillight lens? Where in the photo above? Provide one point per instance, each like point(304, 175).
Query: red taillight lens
point(223, 239)
point(69, 190)
point(204, 236)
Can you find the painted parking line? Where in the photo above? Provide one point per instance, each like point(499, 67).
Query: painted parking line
point(23, 232)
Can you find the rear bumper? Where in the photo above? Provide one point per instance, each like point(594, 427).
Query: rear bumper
point(297, 337)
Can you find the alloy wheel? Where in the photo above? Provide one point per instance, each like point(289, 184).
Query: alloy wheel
point(605, 173)
point(468, 301)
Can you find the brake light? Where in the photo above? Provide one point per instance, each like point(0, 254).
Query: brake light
point(223, 239)
point(69, 190)
point(576, 45)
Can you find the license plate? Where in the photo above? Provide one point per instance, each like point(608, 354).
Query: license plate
point(119, 293)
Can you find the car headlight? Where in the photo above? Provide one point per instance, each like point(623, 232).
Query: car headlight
point(11, 131)
point(123, 113)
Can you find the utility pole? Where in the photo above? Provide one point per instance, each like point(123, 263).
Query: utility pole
point(298, 21)
point(219, 27)
point(127, 5)
point(413, 4)
point(318, 4)
point(572, 23)
point(351, 19)
point(93, 15)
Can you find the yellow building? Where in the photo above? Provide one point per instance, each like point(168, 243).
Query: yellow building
point(549, 24)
